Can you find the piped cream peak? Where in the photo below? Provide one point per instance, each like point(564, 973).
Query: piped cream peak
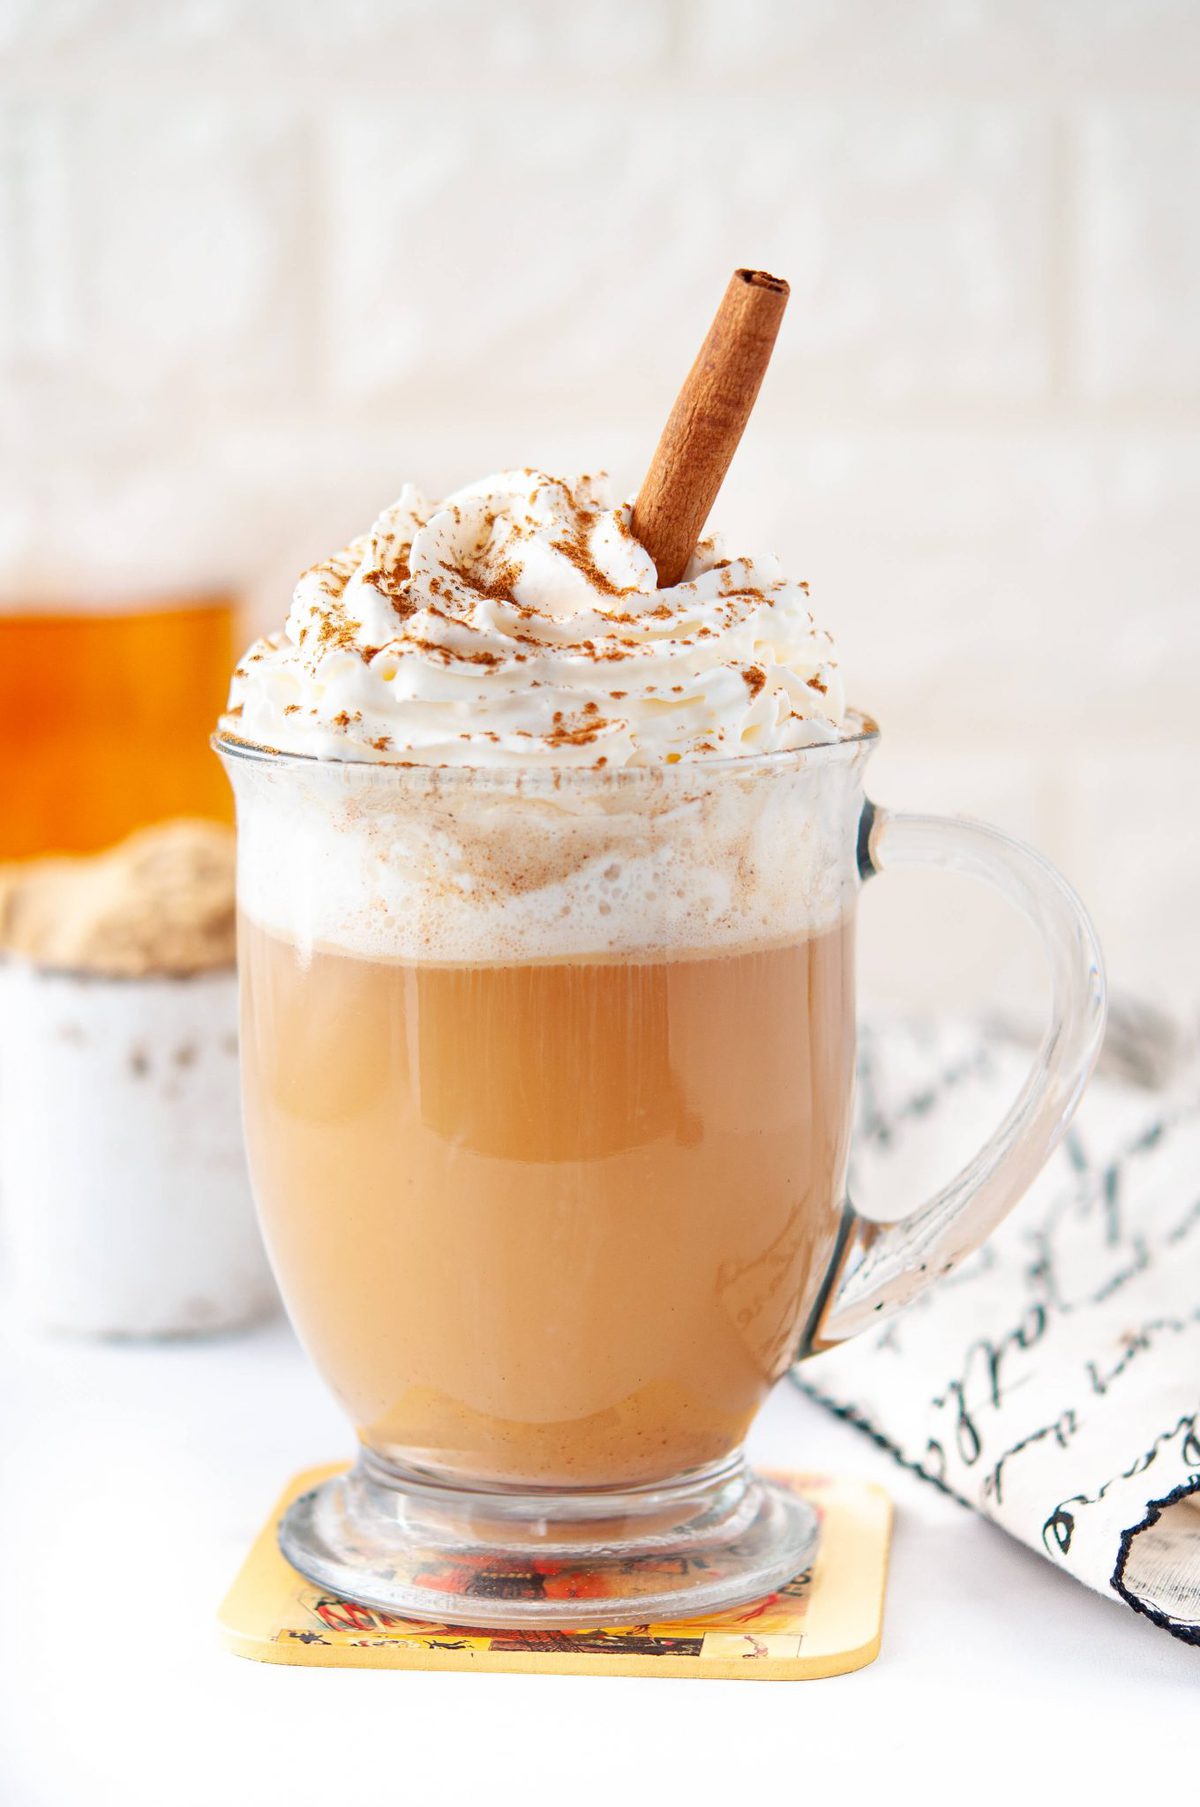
point(520, 623)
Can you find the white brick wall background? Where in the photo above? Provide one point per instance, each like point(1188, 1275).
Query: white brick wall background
point(259, 263)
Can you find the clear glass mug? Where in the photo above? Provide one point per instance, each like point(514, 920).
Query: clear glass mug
point(547, 1078)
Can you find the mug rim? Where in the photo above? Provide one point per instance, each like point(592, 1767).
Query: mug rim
point(550, 772)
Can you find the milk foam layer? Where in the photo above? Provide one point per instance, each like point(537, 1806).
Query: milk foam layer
point(520, 623)
point(466, 867)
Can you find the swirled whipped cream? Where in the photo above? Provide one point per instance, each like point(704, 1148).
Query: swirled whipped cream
point(519, 622)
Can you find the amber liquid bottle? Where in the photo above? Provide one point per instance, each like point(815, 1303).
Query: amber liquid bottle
point(105, 719)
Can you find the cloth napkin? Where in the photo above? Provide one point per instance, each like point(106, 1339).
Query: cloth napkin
point(1053, 1383)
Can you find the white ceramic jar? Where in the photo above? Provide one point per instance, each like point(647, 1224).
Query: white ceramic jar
point(125, 1205)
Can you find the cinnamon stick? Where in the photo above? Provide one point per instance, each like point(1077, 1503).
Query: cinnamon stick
point(707, 422)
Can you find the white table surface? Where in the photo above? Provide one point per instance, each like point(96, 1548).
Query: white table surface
point(135, 1476)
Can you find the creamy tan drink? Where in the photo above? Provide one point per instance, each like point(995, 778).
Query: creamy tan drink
point(552, 1224)
point(547, 990)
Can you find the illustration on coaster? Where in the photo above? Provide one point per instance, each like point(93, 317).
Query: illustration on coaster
point(827, 1621)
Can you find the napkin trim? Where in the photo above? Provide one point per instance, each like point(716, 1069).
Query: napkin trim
point(1187, 1634)
point(850, 1416)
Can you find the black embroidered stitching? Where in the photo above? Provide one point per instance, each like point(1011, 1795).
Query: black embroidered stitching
point(1187, 1634)
point(848, 1414)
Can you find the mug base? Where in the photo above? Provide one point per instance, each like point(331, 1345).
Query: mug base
point(404, 1544)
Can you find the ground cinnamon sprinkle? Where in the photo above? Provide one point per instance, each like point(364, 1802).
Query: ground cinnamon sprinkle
point(581, 734)
point(448, 654)
point(393, 587)
point(336, 631)
point(576, 550)
point(482, 657)
point(755, 677)
point(494, 589)
point(816, 684)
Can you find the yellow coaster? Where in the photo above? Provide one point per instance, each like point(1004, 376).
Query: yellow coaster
point(826, 1622)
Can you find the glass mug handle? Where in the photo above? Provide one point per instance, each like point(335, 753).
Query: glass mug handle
point(880, 1267)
